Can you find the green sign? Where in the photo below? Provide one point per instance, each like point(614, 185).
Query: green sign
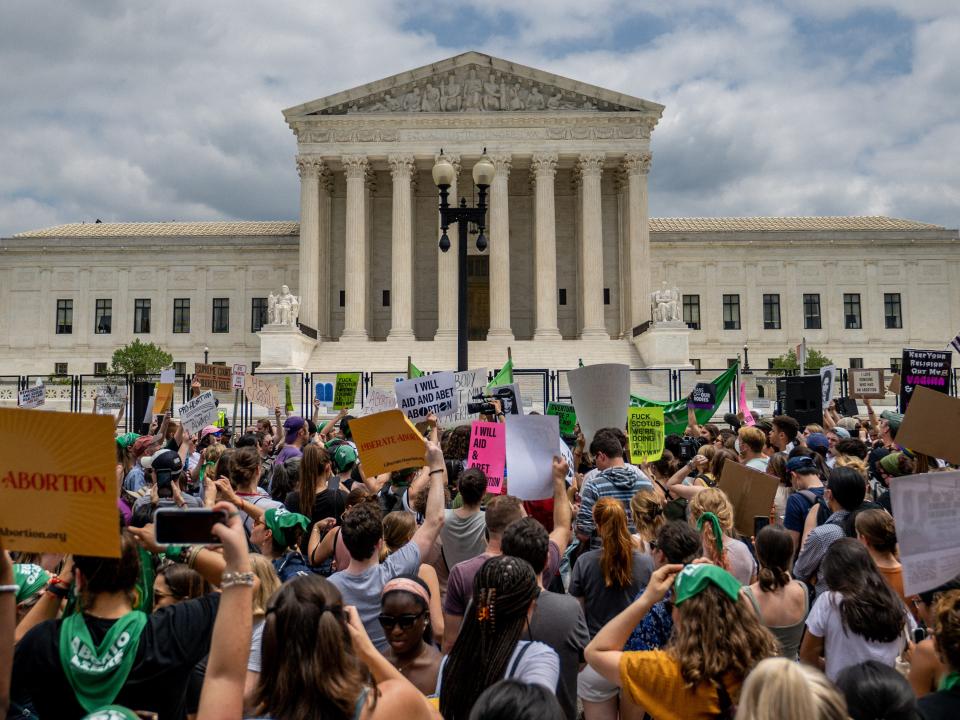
point(345, 391)
point(567, 416)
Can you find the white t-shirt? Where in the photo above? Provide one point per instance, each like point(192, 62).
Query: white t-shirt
point(842, 648)
point(539, 665)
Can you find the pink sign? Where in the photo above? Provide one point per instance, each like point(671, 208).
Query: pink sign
point(488, 452)
point(747, 415)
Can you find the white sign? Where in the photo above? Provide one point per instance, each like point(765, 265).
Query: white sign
point(468, 384)
point(866, 383)
point(148, 415)
point(199, 412)
point(238, 377)
point(532, 441)
point(601, 396)
point(168, 377)
point(828, 379)
point(32, 397)
point(422, 396)
point(927, 508)
point(376, 401)
point(111, 396)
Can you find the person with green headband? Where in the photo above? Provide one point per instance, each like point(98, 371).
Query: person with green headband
point(717, 640)
point(277, 534)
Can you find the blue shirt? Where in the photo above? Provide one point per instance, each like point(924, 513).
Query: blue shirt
point(797, 508)
point(134, 479)
point(654, 630)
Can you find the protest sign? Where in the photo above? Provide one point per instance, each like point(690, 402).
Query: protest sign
point(376, 401)
point(262, 393)
point(427, 394)
point(32, 397)
point(198, 412)
point(703, 397)
point(148, 413)
point(601, 395)
point(488, 452)
point(532, 442)
point(509, 397)
point(645, 433)
point(894, 386)
point(744, 408)
point(927, 508)
point(927, 368)
point(323, 391)
point(213, 377)
point(567, 416)
point(345, 391)
point(932, 425)
point(111, 396)
point(387, 441)
point(237, 376)
point(58, 486)
point(828, 378)
point(163, 396)
point(750, 491)
point(468, 383)
point(867, 384)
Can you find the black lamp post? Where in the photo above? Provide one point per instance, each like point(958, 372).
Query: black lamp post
point(746, 361)
point(444, 175)
point(206, 355)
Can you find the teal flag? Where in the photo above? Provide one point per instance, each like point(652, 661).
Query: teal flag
point(675, 413)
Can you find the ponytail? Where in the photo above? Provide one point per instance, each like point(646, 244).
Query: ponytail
point(712, 534)
point(616, 554)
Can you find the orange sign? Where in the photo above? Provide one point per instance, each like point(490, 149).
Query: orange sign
point(387, 441)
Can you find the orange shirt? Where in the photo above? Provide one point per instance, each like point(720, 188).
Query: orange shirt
point(654, 682)
point(894, 578)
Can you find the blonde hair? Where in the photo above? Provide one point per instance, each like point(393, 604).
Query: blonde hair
point(214, 452)
point(398, 527)
point(712, 500)
point(269, 583)
point(851, 461)
point(646, 509)
point(780, 689)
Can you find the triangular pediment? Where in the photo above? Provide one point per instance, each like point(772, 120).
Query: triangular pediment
point(473, 82)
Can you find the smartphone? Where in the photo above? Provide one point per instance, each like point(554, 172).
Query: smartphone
point(191, 526)
point(759, 523)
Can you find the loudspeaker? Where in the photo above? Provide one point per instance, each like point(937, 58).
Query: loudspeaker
point(141, 396)
point(800, 398)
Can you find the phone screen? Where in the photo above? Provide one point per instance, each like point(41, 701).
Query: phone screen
point(187, 527)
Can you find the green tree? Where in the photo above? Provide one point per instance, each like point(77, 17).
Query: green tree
point(139, 358)
point(788, 361)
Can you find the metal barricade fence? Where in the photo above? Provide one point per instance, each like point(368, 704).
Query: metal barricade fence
point(10, 386)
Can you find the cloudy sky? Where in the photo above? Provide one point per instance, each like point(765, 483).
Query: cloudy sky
point(135, 110)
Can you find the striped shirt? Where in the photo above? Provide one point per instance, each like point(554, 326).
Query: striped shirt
point(815, 549)
point(619, 482)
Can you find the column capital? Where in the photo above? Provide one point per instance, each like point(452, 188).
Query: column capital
point(590, 164)
point(502, 162)
point(544, 164)
point(355, 166)
point(637, 163)
point(370, 178)
point(401, 166)
point(310, 166)
point(326, 179)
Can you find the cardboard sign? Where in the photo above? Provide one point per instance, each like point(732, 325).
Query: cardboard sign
point(532, 442)
point(387, 441)
point(111, 396)
point(894, 385)
point(199, 412)
point(927, 508)
point(163, 396)
point(828, 380)
point(645, 428)
point(58, 484)
point(376, 401)
point(744, 408)
point(601, 395)
point(468, 384)
point(32, 397)
point(567, 416)
point(488, 452)
point(932, 425)
point(421, 396)
point(213, 377)
point(751, 493)
point(703, 397)
point(927, 368)
point(867, 384)
point(237, 376)
point(261, 392)
point(345, 391)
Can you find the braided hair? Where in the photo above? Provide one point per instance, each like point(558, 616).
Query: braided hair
point(503, 589)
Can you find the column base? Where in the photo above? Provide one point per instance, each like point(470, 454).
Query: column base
point(404, 335)
point(445, 335)
point(547, 334)
point(594, 334)
point(354, 336)
point(500, 334)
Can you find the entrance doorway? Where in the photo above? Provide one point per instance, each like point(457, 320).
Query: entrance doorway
point(478, 296)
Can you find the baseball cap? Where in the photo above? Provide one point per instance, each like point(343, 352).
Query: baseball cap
point(801, 464)
point(292, 425)
point(209, 430)
point(344, 456)
point(893, 418)
point(164, 460)
point(140, 445)
point(841, 433)
point(818, 441)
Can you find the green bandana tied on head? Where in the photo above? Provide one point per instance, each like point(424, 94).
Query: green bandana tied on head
point(693, 580)
point(717, 530)
point(30, 578)
point(127, 439)
point(281, 522)
point(98, 672)
point(112, 712)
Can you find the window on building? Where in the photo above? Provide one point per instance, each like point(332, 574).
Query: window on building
point(258, 314)
point(696, 364)
point(103, 317)
point(811, 311)
point(386, 298)
point(563, 296)
point(691, 311)
point(100, 368)
point(895, 364)
point(731, 362)
point(893, 318)
point(254, 365)
point(771, 312)
point(343, 298)
point(221, 315)
point(64, 317)
point(606, 296)
point(141, 315)
point(180, 368)
point(856, 363)
point(851, 311)
point(731, 312)
point(181, 315)
point(59, 368)
point(770, 363)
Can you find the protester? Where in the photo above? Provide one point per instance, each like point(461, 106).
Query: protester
point(646, 508)
point(398, 529)
point(783, 434)
point(514, 700)
point(175, 583)
point(875, 691)
point(711, 513)
point(462, 534)
point(297, 434)
point(876, 530)
point(319, 495)
point(780, 689)
point(269, 583)
point(749, 446)
point(945, 703)
point(245, 481)
point(927, 668)
point(808, 490)
point(406, 620)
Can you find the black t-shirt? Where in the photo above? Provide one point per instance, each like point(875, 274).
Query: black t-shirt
point(330, 503)
point(943, 705)
point(174, 640)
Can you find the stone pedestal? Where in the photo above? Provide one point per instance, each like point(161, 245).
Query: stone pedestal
point(284, 349)
point(665, 345)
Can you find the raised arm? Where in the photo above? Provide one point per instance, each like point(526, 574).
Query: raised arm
point(692, 423)
point(426, 534)
point(562, 512)
point(329, 425)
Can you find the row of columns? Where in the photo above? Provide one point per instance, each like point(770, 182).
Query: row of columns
point(315, 240)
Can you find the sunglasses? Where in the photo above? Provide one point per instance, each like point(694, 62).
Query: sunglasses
point(388, 622)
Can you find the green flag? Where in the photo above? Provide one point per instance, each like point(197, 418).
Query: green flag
point(288, 405)
point(675, 413)
point(413, 371)
point(504, 377)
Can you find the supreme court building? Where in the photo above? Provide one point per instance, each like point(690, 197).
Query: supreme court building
point(572, 259)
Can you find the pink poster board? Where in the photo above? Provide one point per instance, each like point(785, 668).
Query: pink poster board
point(747, 415)
point(488, 452)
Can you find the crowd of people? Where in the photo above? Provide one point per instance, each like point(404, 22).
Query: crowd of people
point(415, 594)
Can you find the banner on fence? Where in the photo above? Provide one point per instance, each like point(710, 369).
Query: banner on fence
point(488, 452)
point(199, 412)
point(345, 391)
point(428, 394)
point(213, 377)
point(645, 433)
point(32, 397)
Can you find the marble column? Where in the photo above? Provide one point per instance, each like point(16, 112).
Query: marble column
point(355, 280)
point(636, 167)
point(500, 327)
point(309, 169)
point(591, 248)
point(401, 249)
point(544, 170)
point(324, 224)
point(447, 267)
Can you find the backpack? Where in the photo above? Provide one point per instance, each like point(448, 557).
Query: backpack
point(823, 510)
point(676, 508)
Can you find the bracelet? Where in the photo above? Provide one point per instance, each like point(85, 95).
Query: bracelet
point(233, 579)
point(192, 557)
point(61, 591)
point(10, 588)
point(438, 470)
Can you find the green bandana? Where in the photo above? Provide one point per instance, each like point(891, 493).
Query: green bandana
point(97, 673)
point(30, 578)
point(112, 712)
point(280, 520)
point(949, 682)
point(891, 464)
point(127, 439)
point(693, 580)
point(717, 530)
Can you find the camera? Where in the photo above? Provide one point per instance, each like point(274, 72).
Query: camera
point(689, 449)
point(486, 407)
